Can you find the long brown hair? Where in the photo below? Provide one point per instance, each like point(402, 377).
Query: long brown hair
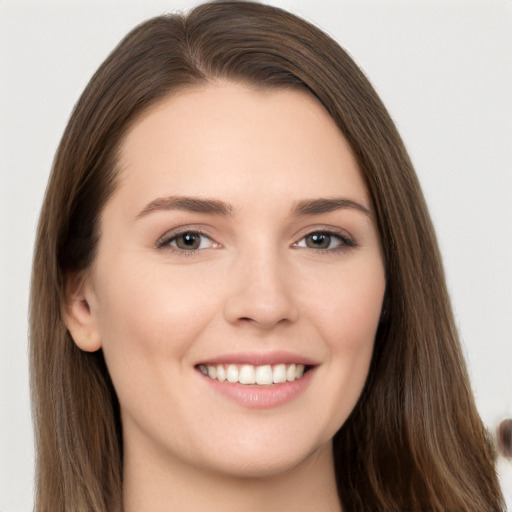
point(414, 441)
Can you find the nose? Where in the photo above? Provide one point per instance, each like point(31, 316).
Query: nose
point(260, 291)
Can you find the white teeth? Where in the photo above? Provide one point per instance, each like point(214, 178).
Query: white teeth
point(264, 375)
point(232, 373)
point(290, 373)
point(212, 372)
point(221, 373)
point(279, 374)
point(248, 374)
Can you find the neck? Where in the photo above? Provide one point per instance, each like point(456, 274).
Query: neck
point(157, 487)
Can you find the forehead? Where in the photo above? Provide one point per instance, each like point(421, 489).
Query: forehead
point(206, 139)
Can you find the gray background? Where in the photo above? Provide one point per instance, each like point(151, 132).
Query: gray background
point(442, 67)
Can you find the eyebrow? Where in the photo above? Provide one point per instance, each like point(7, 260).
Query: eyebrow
point(216, 207)
point(326, 205)
point(189, 204)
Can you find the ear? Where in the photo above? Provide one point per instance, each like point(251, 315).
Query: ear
point(77, 314)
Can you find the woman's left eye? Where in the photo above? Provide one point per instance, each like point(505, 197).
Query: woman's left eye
point(187, 241)
point(324, 240)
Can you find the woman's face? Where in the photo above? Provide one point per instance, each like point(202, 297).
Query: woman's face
point(238, 251)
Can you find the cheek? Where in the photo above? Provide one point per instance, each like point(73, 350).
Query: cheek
point(348, 309)
point(348, 323)
point(149, 323)
point(148, 320)
point(134, 300)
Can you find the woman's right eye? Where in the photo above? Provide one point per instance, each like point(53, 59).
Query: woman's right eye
point(186, 241)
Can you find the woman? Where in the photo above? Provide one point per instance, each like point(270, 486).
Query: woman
point(242, 289)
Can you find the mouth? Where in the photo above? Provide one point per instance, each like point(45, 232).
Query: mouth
point(257, 380)
point(251, 375)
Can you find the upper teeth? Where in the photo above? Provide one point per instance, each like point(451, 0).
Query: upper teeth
point(249, 374)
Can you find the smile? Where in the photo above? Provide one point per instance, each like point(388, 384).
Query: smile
point(264, 375)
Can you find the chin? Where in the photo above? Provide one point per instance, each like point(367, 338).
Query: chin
point(251, 457)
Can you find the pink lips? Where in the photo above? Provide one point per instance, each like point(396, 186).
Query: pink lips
point(260, 358)
point(260, 397)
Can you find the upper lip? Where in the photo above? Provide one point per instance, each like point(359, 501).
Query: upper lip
point(260, 358)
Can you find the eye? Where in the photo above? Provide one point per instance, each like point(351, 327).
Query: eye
point(325, 240)
point(186, 241)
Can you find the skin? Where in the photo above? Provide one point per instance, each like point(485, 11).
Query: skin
point(256, 284)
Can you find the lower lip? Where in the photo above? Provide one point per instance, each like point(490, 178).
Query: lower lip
point(261, 397)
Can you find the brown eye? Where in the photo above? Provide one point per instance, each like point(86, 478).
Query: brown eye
point(319, 241)
point(326, 241)
point(188, 241)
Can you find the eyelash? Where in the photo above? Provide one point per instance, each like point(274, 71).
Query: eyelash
point(165, 241)
point(344, 242)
